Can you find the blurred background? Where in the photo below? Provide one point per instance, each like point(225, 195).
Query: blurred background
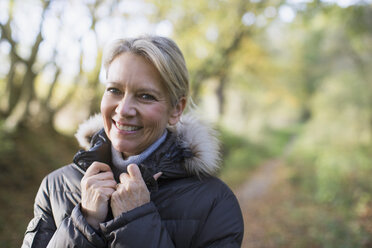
point(288, 83)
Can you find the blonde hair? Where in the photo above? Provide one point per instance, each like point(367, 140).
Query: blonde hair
point(163, 53)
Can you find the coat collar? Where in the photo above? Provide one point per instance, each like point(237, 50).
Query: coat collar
point(190, 133)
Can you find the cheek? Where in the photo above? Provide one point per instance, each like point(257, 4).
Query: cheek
point(103, 107)
point(157, 117)
point(106, 110)
point(103, 104)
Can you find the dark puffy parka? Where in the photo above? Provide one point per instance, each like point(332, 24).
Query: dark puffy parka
point(189, 207)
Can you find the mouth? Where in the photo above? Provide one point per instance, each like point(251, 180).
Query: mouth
point(126, 127)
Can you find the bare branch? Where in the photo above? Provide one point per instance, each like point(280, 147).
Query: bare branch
point(39, 38)
point(6, 34)
point(52, 86)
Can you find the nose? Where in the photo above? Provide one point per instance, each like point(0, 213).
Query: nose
point(126, 107)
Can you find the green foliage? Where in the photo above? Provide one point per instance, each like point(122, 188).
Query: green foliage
point(332, 161)
point(335, 185)
point(331, 157)
point(281, 140)
point(241, 156)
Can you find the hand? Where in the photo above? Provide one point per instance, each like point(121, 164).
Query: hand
point(97, 186)
point(131, 192)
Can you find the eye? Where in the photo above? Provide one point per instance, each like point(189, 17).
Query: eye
point(113, 90)
point(147, 97)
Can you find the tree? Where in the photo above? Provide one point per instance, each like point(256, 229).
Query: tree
point(211, 33)
point(20, 94)
point(26, 90)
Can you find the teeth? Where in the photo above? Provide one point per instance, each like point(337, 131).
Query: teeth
point(127, 128)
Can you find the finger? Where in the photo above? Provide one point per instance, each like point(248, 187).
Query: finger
point(91, 182)
point(97, 167)
point(107, 184)
point(107, 192)
point(124, 177)
point(157, 175)
point(114, 195)
point(121, 190)
point(104, 176)
point(134, 171)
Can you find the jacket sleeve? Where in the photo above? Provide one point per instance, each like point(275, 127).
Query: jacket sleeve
point(140, 227)
point(72, 232)
point(224, 226)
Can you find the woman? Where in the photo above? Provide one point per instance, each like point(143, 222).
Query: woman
point(145, 178)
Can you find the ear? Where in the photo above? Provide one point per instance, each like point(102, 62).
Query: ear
point(176, 111)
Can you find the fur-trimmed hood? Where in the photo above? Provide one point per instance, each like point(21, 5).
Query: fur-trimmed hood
point(199, 137)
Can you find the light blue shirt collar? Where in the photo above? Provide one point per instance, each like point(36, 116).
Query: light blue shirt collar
point(121, 164)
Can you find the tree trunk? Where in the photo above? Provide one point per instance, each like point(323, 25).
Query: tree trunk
point(220, 93)
point(7, 100)
point(20, 110)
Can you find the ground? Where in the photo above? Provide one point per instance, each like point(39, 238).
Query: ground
point(34, 154)
point(266, 199)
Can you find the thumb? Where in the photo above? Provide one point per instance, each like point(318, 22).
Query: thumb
point(157, 175)
point(134, 171)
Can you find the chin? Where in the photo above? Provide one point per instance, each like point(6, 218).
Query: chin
point(119, 147)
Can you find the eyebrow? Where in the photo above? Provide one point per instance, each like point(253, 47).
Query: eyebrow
point(151, 90)
point(143, 89)
point(112, 83)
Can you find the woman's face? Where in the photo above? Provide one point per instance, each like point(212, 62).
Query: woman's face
point(135, 106)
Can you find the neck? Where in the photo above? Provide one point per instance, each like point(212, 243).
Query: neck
point(121, 163)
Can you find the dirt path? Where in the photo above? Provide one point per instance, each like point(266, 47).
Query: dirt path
point(259, 198)
point(259, 183)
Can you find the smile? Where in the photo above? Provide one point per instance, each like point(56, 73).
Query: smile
point(127, 128)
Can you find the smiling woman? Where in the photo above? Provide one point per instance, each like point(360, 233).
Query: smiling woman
point(146, 178)
point(136, 107)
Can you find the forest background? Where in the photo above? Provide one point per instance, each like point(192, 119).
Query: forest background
point(287, 79)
